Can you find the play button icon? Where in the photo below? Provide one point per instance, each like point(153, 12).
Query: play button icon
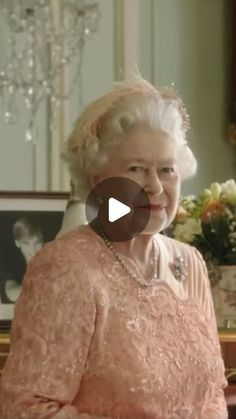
point(118, 207)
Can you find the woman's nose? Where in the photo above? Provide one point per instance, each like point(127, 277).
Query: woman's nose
point(153, 184)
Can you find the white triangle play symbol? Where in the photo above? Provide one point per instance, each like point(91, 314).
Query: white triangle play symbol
point(116, 209)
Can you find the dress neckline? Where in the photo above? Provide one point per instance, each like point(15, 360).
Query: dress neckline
point(165, 262)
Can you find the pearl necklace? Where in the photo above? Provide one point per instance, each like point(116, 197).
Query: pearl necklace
point(126, 266)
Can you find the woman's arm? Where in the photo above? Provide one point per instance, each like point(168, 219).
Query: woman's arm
point(216, 409)
point(50, 338)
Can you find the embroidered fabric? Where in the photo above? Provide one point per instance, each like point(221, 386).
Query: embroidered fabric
point(88, 342)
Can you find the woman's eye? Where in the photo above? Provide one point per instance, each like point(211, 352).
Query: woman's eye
point(136, 169)
point(168, 170)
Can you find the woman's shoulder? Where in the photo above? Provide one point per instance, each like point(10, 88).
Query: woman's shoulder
point(62, 264)
point(174, 246)
point(80, 236)
point(74, 247)
point(189, 253)
point(196, 282)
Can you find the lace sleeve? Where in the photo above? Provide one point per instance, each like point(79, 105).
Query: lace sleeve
point(216, 408)
point(50, 338)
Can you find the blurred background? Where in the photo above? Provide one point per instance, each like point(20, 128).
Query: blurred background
point(184, 43)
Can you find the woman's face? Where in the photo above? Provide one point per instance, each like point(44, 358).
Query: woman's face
point(149, 158)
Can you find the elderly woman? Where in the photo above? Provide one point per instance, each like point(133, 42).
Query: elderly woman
point(109, 329)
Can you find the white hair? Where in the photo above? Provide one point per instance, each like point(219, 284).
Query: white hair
point(107, 121)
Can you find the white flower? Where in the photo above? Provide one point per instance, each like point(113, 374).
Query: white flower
point(186, 232)
point(229, 191)
point(215, 190)
point(188, 202)
point(207, 194)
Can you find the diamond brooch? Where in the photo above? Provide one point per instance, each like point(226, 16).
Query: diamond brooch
point(180, 269)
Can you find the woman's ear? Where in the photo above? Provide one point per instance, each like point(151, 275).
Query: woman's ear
point(94, 179)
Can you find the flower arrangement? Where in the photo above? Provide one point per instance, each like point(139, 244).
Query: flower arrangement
point(208, 222)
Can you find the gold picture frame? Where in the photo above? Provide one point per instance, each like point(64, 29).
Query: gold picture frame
point(224, 337)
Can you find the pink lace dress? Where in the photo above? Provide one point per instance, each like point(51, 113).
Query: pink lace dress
point(89, 342)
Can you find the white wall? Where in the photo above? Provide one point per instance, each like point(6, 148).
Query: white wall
point(185, 42)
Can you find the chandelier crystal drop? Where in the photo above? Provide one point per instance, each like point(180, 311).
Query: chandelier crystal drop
point(45, 37)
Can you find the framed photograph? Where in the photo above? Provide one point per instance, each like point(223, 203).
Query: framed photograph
point(224, 298)
point(27, 221)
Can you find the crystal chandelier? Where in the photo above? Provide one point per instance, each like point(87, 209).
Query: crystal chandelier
point(45, 38)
